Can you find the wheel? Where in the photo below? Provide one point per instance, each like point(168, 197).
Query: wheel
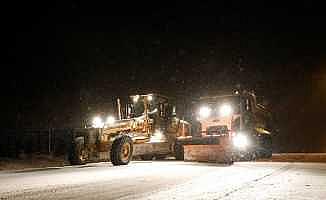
point(247, 156)
point(267, 147)
point(229, 162)
point(269, 154)
point(253, 156)
point(121, 151)
point(79, 153)
point(228, 159)
point(178, 152)
point(146, 157)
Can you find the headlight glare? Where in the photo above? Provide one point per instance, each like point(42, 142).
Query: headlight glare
point(204, 112)
point(240, 141)
point(97, 122)
point(225, 110)
point(110, 120)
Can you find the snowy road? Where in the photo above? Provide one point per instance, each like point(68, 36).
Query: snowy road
point(169, 180)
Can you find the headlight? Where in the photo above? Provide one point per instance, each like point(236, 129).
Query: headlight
point(135, 98)
point(149, 97)
point(110, 120)
point(204, 112)
point(240, 141)
point(225, 110)
point(97, 122)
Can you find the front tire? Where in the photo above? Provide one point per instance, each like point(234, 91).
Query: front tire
point(178, 152)
point(121, 151)
point(79, 154)
point(269, 154)
point(253, 156)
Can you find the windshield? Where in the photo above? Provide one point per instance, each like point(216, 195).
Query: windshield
point(138, 107)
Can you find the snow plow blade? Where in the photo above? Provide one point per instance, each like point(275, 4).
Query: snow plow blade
point(207, 153)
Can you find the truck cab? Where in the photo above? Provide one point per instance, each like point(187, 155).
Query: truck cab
point(237, 116)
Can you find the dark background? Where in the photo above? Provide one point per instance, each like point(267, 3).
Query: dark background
point(67, 61)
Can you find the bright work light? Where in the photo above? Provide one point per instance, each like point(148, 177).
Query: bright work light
point(135, 98)
point(240, 141)
point(110, 120)
point(204, 112)
point(149, 97)
point(225, 110)
point(97, 122)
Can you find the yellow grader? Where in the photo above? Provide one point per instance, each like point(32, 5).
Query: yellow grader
point(147, 128)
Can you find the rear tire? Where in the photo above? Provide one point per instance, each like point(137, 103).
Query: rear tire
point(269, 154)
point(178, 152)
point(229, 161)
point(121, 151)
point(253, 156)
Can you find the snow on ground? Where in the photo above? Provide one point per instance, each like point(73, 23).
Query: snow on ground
point(169, 180)
point(35, 161)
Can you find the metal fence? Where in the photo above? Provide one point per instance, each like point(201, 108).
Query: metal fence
point(14, 143)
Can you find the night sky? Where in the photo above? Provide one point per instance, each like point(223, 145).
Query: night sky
point(65, 61)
